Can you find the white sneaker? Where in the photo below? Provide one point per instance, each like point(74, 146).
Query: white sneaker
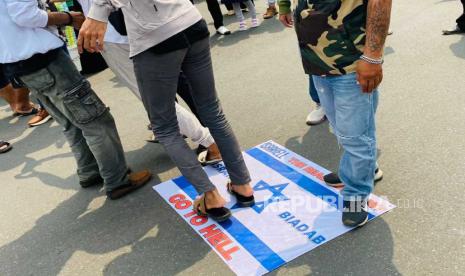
point(223, 31)
point(243, 26)
point(378, 175)
point(316, 117)
point(255, 23)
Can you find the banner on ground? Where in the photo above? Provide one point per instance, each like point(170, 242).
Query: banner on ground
point(294, 212)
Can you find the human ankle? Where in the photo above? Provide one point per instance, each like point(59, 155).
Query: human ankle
point(214, 199)
point(213, 151)
point(245, 189)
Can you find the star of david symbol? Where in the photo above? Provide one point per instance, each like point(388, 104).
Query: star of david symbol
point(276, 196)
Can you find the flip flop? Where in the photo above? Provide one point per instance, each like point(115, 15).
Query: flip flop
point(242, 201)
point(217, 214)
point(202, 157)
point(5, 146)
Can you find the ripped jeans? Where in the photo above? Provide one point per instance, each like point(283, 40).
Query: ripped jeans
point(351, 113)
point(87, 123)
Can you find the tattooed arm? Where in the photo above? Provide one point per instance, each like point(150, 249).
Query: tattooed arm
point(377, 26)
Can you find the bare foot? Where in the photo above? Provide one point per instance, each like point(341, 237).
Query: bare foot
point(245, 190)
point(213, 152)
point(213, 199)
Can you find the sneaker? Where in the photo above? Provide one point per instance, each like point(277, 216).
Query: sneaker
point(270, 13)
point(333, 180)
point(255, 23)
point(136, 181)
point(40, 118)
point(242, 26)
point(230, 13)
point(223, 31)
point(354, 213)
point(316, 117)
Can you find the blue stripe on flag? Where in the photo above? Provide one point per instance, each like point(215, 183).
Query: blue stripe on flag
point(256, 247)
point(298, 178)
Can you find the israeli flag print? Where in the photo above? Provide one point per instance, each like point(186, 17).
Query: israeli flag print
point(295, 211)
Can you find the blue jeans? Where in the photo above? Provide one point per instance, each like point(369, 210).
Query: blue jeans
point(312, 90)
point(351, 113)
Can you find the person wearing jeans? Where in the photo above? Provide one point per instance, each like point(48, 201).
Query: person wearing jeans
point(351, 114)
point(176, 38)
point(116, 55)
point(341, 45)
point(40, 63)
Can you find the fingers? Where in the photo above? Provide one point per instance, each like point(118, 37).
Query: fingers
point(364, 85)
point(80, 43)
point(93, 43)
point(91, 36)
point(370, 85)
point(100, 38)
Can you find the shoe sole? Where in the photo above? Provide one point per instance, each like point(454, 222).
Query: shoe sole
point(363, 222)
point(340, 185)
point(335, 185)
point(7, 149)
point(48, 118)
point(315, 123)
point(226, 33)
point(358, 225)
point(141, 183)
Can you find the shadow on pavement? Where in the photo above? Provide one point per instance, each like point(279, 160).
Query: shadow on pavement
point(458, 48)
point(319, 146)
point(89, 223)
point(365, 251)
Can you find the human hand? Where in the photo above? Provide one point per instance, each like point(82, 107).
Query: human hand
point(91, 35)
point(369, 76)
point(287, 20)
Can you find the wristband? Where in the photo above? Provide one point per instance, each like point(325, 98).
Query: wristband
point(70, 17)
point(372, 60)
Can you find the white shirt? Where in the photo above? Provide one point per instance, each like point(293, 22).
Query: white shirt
point(111, 35)
point(23, 31)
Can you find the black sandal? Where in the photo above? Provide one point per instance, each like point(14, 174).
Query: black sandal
point(5, 146)
point(242, 201)
point(217, 214)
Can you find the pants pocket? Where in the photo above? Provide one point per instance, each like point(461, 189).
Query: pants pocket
point(83, 104)
point(39, 81)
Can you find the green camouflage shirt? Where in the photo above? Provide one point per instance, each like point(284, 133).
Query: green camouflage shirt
point(331, 33)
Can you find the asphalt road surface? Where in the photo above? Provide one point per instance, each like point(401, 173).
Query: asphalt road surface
point(49, 226)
